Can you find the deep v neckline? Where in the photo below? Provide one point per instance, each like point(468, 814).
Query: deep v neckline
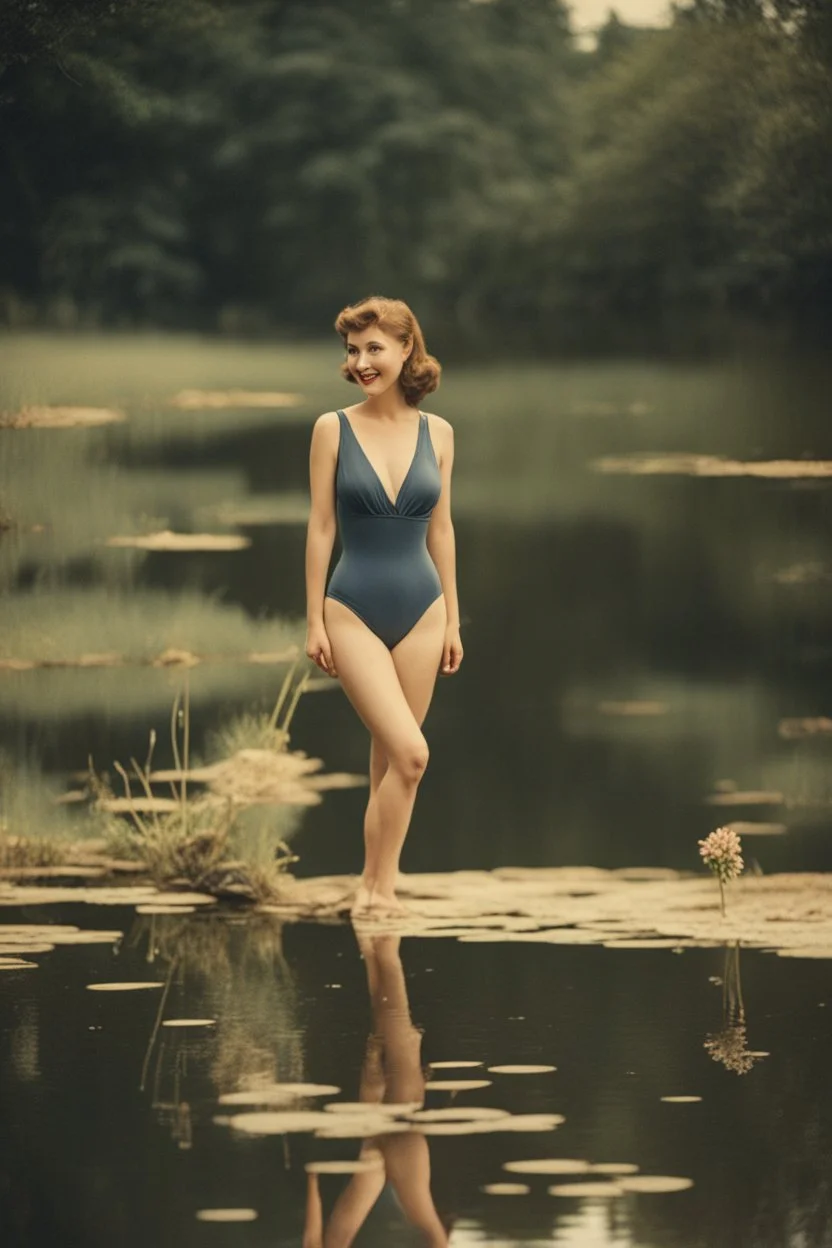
point(393, 502)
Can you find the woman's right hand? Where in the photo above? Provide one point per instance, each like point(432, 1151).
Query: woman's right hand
point(318, 648)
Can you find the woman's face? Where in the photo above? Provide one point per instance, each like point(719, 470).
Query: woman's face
point(375, 359)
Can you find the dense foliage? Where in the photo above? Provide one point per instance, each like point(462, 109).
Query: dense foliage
point(247, 163)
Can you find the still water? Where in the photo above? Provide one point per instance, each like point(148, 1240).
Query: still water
point(635, 643)
point(113, 1131)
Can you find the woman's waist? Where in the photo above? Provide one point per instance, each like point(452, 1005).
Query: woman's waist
point(376, 537)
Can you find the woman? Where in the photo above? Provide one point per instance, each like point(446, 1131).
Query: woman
point(396, 1181)
point(388, 619)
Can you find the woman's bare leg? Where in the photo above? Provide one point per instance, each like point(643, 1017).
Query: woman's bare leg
point(391, 692)
point(372, 829)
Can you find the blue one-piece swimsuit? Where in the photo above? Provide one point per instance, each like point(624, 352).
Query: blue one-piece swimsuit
point(385, 574)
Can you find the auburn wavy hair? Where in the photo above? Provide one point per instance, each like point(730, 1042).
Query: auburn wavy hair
point(420, 371)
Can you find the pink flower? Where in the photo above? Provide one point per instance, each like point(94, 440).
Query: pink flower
point(722, 852)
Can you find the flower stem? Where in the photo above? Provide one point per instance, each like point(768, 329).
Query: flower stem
point(722, 897)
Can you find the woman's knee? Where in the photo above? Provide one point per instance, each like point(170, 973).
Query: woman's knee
point(410, 759)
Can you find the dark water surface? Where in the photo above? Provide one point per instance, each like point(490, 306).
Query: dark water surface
point(92, 1157)
point(634, 643)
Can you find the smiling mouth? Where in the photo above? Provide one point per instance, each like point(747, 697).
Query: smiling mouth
point(368, 377)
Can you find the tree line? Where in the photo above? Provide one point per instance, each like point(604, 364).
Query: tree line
point(249, 164)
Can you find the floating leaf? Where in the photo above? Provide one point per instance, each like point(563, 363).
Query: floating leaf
point(280, 1123)
point(226, 1215)
point(150, 908)
point(681, 1100)
point(585, 1190)
point(747, 828)
point(451, 1065)
point(195, 400)
point(713, 466)
point(344, 1127)
point(468, 1127)
point(528, 1122)
point(189, 1022)
point(15, 948)
point(746, 797)
point(166, 540)
point(127, 986)
point(548, 1165)
point(456, 1085)
point(183, 899)
point(613, 1167)
point(521, 1070)
point(505, 1189)
point(475, 1113)
point(279, 1094)
point(377, 1107)
point(655, 1183)
point(58, 416)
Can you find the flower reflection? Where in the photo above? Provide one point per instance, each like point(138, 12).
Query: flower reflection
point(391, 1074)
point(729, 1045)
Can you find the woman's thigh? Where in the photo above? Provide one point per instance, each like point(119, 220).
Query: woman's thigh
point(417, 657)
point(369, 678)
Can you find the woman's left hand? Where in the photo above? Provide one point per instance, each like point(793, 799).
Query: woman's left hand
point(452, 651)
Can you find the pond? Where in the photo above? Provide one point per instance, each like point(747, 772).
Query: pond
point(645, 585)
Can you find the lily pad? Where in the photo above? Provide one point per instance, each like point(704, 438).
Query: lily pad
point(585, 1190)
point(57, 416)
point(456, 1085)
point(150, 908)
point(166, 540)
point(476, 1113)
point(613, 1167)
point(451, 1065)
point(280, 1123)
point(377, 1107)
point(127, 986)
point(189, 1022)
point(505, 1189)
point(522, 1070)
point(195, 400)
point(655, 1183)
point(548, 1165)
point(226, 1215)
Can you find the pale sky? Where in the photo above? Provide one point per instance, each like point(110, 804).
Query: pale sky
point(589, 13)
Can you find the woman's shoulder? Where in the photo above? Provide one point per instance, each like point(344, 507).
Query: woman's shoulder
point(441, 430)
point(326, 427)
point(438, 422)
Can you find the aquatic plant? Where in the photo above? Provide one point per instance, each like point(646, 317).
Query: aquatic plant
point(25, 851)
point(189, 836)
point(722, 852)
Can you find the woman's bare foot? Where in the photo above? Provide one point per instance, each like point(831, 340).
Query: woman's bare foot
point(361, 901)
point(386, 906)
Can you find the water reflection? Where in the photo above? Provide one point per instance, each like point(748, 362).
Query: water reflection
point(234, 972)
point(391, 1074)
point(729, 1045)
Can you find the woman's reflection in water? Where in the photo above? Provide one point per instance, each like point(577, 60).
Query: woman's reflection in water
point(391, 1074)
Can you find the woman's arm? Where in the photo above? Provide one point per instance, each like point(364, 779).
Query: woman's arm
point(442, 546)
point(320, 532)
